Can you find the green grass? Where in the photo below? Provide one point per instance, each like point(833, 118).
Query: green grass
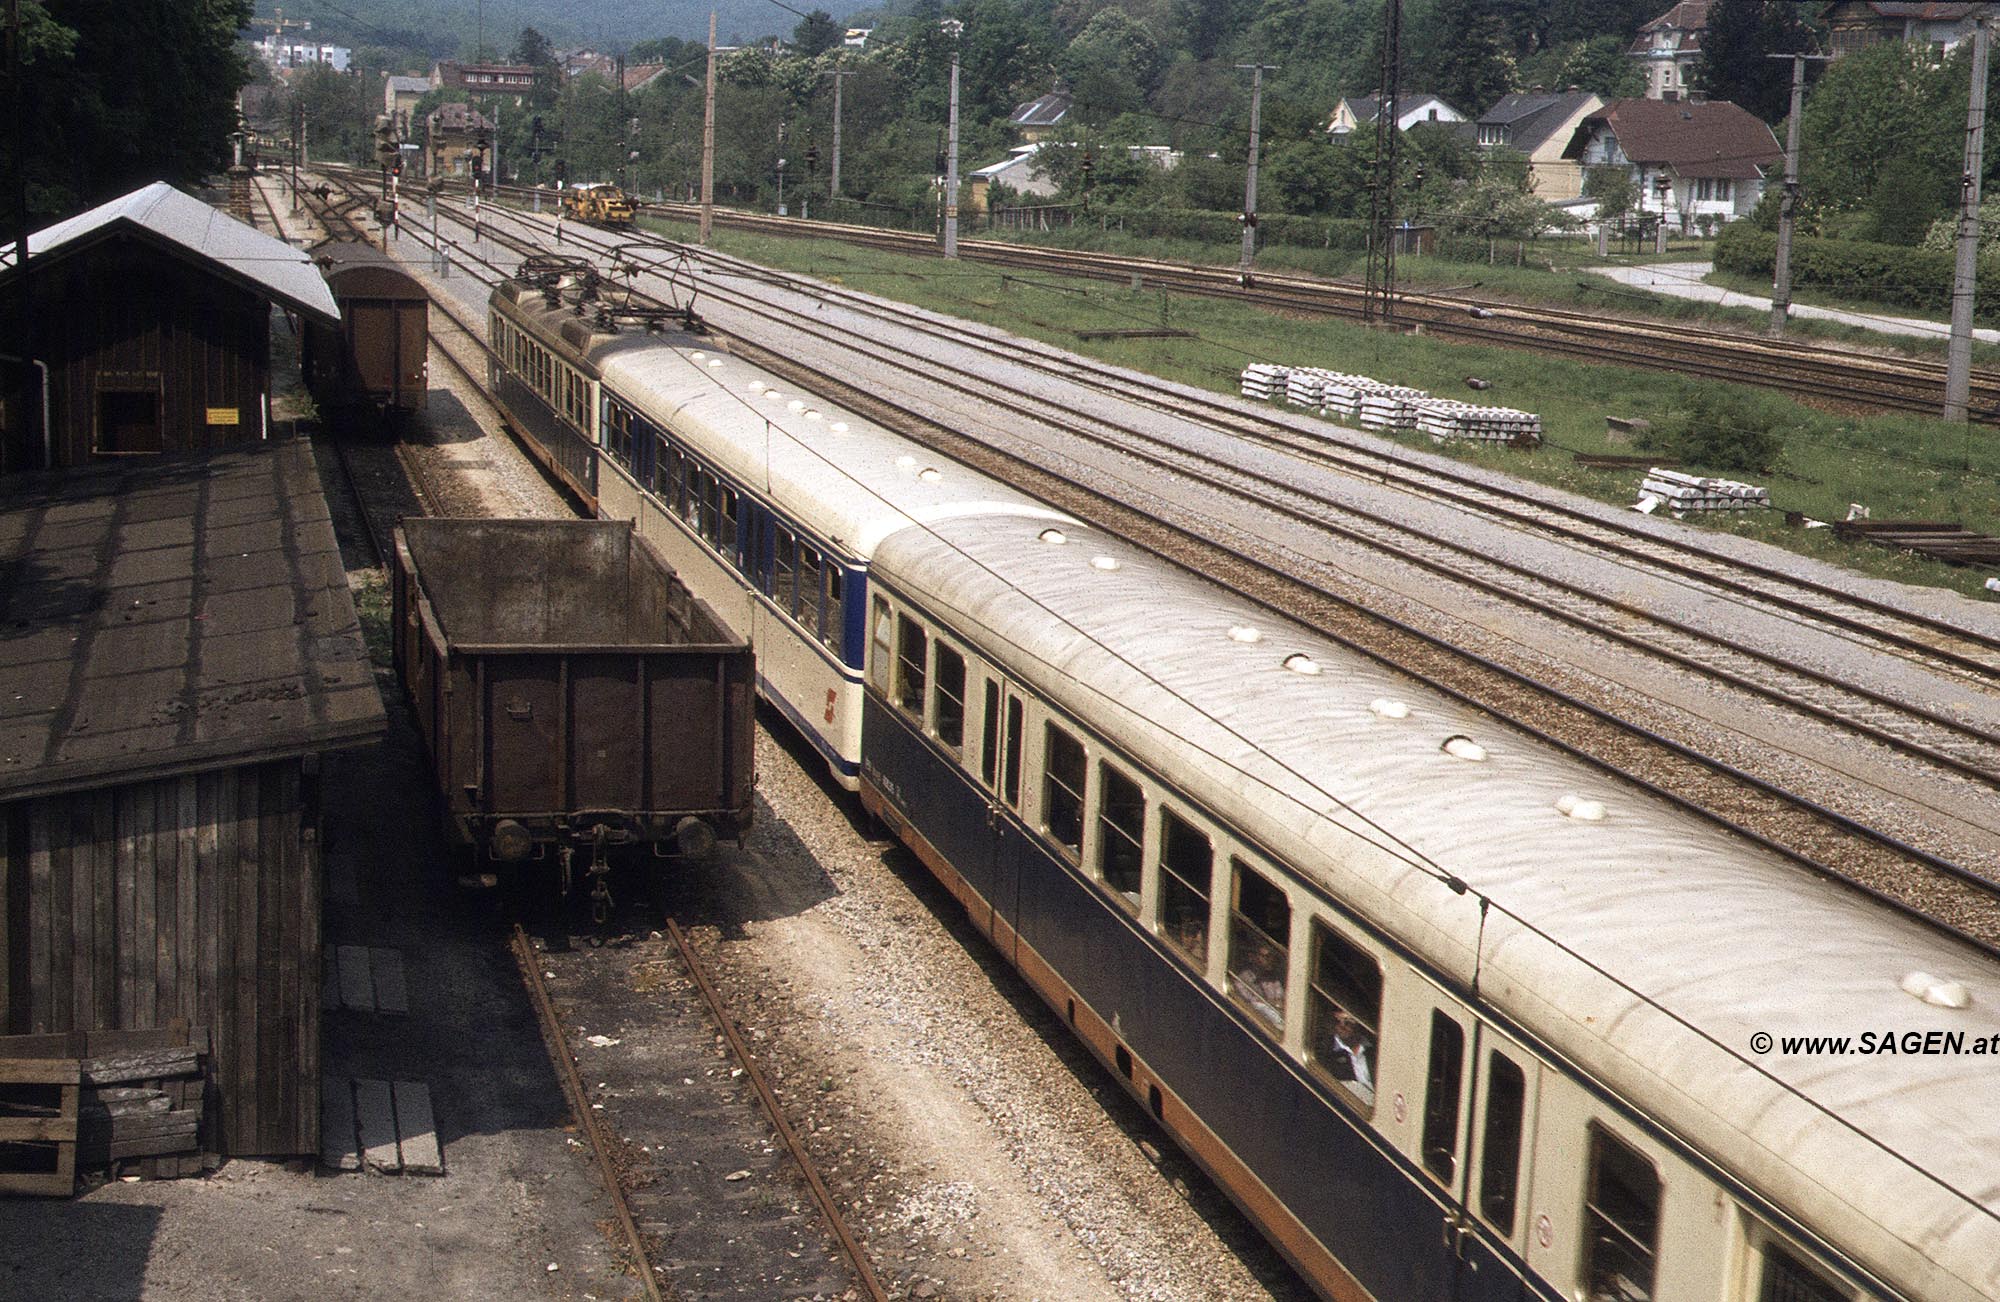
point(372, 606)
point(1900, 467)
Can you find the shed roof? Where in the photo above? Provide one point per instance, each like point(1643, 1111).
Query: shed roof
point(1710, 138)
point(1047, 111)
point(409, 85)
point(164, 616)
point(158, 212)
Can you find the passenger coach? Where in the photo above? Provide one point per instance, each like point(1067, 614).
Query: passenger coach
point(1448, 1015)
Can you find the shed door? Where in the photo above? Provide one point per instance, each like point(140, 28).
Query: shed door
point(128, 422)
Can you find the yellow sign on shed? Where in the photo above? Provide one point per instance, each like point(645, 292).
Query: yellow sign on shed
point(224, 416)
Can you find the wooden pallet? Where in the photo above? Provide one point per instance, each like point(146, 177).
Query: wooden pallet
point(1941, 540)
point(142, 1096)
point(40, 1099)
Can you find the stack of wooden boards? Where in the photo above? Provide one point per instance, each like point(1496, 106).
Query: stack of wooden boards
point(1380, 405)
point(83, 1100)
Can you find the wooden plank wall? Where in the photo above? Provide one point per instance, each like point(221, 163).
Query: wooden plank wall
point(135, 316)
point(194, 898)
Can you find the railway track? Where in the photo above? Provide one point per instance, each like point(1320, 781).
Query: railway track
point(1828, 375)
point(1950, 895)
point(432, 497)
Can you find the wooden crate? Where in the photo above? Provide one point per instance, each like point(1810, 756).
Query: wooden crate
point(40, 1099)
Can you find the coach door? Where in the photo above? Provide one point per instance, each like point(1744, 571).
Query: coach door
point(1492, 1249)
point(1476, 1129)
point(1002, 747)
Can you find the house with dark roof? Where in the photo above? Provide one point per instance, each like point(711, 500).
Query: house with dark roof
point(1413, 107)
point(1691, 160)
point(1038, 118)
point(454, 136)
point(1670, 47)
point(1539, 124)
point(1855, 25)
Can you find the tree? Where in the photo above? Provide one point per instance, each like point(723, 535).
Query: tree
point(816, 34)
point(532, 48)
point(1886, 101)
point(1110, 67)
point(1599, 64)
point(1464, 51)
point(1733, 64)
point(1613, 188)
point(122, 92)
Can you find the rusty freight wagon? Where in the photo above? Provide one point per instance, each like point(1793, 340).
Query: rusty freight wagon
point(376, 365)
point(573, 695)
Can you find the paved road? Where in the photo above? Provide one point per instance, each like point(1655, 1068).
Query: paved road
point(1684, 280)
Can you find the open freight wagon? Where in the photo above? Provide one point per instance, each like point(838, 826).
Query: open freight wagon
point(573, 695)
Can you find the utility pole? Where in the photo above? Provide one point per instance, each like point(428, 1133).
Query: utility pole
point(952, 28)
point(708, 140)
point(839, 75)
point(1788, 211)
point(1257, 71)
point(18, 111)
point(1958, 360)
point(1379, 302)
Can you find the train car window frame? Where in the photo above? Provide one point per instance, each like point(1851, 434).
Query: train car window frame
point(1120, 853)
point(882, 646)
point(948, 695)
point(1186, 851)
point(1444, 1096)
point(1506, 1112)
point(1260, 943)
point(1065, 783)
point(1343, 981)
point(989, 735)
point(729, 504)
point(1785, 1274)
point(1619, 1181)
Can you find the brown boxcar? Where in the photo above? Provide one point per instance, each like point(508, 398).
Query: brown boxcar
point(573, 695)
point(379, 360)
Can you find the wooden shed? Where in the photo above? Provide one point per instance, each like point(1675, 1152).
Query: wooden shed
point(146, 330)
point(177, 648)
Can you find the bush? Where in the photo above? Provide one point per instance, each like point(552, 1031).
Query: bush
point(1883, 273)
point(1721, 428)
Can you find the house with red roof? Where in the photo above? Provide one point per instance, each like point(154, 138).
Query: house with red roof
point(1692, 159)
point(1669, 47)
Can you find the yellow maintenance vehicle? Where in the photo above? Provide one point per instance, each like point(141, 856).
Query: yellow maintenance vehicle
point(600, 205)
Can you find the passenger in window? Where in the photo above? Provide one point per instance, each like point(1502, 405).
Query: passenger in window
point(1348, 1058)
point(1260, 979)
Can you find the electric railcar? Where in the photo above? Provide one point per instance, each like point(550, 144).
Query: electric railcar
point(1446, 1014)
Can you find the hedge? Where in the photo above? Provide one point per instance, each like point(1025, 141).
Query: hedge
point(1883, 273)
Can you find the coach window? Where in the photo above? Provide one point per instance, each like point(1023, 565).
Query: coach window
point(805, 601)
point(784, 570)
point(727, 540)
point(911, 651)
point(948, 696)
point(1063, 771)
point(1441, 1089)
point(1343, 1011)
point(1121, 828)
point(1260, 930)
point(1186, 861)
point(833, 619)
point(1500, 1142)
point(1010, 759)
point(989, 736)
point(1621, 1222)
point(1788, 1278)
point(882, 656)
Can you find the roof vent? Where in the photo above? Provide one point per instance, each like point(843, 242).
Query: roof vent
point(813, 413)
point(1244, 633)
point(838, 427)
point(1463, 747)
point(697, 356)
point(1301, 663)
point(1936, 991)
point(1105, 563)
point(715, 363)
point(1384, 708)
point(1053, 537)
point(756, 386)
point(1582, 810)
point(929, 475)
point(774, 395)
point(795, 405)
